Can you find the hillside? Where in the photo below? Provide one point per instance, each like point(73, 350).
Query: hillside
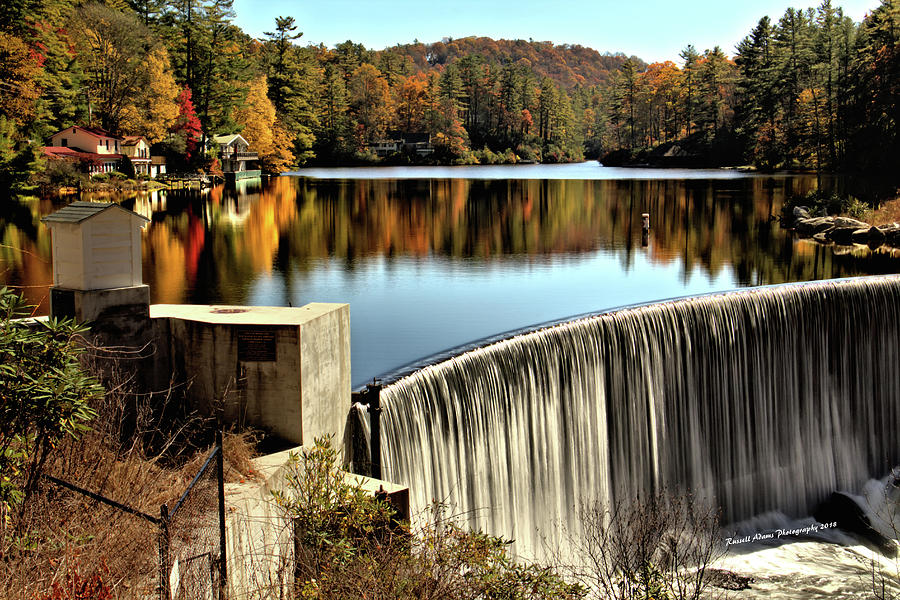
point(567, 65)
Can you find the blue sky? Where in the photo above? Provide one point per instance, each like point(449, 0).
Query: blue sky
point(651, 29)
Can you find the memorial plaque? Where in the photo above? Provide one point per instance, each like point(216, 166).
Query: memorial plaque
point(256, 345)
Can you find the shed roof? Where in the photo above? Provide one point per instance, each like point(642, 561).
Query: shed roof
point(228, 139)
point(80, 211)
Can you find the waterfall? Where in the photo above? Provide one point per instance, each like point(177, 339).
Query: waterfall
point(764, 399)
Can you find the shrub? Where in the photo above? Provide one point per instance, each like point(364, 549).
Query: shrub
point(80, 587)
point(60, 173)
point(822, 203)
point(350, 545)
point(45, 394)
point(657, 547)
point(100, 177)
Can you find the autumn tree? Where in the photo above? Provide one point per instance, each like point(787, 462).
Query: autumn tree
point(154, 111)
point(261, 129)
point(19, 71)
point(112, 47)
point(370, 100)
point(187, 131)
point(411, 103)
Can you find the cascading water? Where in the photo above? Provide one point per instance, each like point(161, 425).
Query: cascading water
point(764, 399)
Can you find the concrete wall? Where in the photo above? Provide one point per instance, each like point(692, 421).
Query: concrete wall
point(285, 370)
point(259, 535)
point(325, 370)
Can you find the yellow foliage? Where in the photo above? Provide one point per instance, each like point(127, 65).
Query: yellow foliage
point(261, 129)
point(155, 112)
point(18, 72)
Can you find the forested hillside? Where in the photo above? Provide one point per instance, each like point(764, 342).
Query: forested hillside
point(808, 89)
point(568, 66)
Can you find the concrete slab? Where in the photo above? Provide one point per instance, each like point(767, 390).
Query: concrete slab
point(244, 315)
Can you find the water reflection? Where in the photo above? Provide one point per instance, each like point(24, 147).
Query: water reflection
point(427, 264)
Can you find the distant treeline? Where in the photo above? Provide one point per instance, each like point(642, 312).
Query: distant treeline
point(812, 90)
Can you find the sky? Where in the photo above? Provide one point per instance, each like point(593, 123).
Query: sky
point(653, 30)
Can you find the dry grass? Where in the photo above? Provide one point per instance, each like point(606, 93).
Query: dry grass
point(61, 530)
point(889, 212)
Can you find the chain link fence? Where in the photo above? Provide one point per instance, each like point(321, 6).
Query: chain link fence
point(192, 536)
point(184, 546)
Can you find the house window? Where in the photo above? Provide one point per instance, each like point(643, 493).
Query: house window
point(107, 144)
point(65, 142)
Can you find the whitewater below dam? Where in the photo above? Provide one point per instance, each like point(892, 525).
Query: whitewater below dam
point(764, 400)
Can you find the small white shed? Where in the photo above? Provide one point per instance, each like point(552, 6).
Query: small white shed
point(96, 246)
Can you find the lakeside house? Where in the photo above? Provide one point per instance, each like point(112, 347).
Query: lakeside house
point(98, 150)
point(403, 141)
point(234, 153)
point(137, 149)
point(157, 166)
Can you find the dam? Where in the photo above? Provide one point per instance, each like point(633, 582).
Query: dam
point(763, 400)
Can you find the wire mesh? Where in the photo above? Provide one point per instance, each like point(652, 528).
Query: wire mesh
point(193, 536)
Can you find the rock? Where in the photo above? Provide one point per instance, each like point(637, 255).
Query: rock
point(728, 580)
point(876, 236)
point(848, 222)
point(842, 509)
point(814, 225)
point(885, 229)
point(860, 236)
point(821, 238)
point(841, 235)
point(802, 212)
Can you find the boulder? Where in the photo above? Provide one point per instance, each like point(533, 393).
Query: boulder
point(842, 235)
point(876, 236)
point(802, 212)
point(814, 225)
point(842, 509)
point(848, 222)
point(860, 236)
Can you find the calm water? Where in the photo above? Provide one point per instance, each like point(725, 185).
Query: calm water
point(432, 258)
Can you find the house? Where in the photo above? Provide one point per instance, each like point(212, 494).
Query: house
point(234, 153)
point(397, 141)
point(137, 149)
point(157, 166)
point(99, 150)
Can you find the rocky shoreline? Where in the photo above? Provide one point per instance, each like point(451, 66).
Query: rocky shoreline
point(844, 230)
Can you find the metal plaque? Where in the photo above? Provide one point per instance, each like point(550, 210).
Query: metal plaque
point(256, 345)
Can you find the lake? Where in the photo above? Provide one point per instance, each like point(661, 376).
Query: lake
point(430, 258)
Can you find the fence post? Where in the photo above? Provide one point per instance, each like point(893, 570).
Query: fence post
point(220, 477)
point(164, 552)
point(374, 396)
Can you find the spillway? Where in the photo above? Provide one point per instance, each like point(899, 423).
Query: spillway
point(764, 399)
